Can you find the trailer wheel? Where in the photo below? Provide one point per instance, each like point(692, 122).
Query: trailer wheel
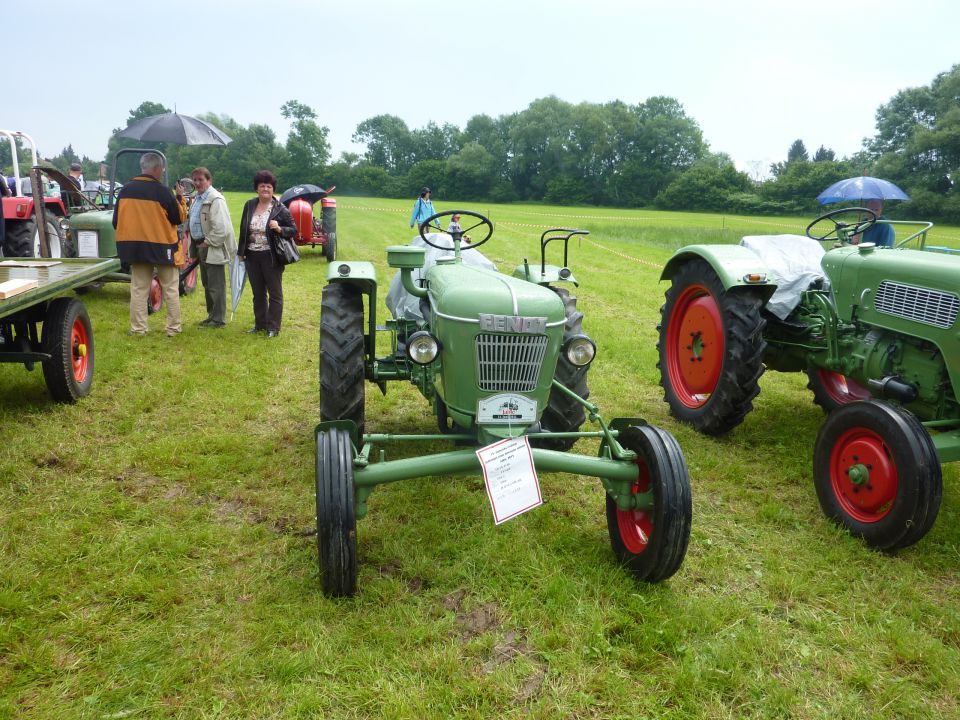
point(832, 390)
point(563, 413)
point(154, 297)
point(877, 473)
point(342, 354)
point(330, 248)
point(652, 541)
point(68, 337)
point(336, 517)
point(711, 349)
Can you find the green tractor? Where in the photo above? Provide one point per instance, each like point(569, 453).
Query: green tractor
point(875, 330)
point(497, 357)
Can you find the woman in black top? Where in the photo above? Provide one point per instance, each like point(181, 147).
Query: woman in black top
point(264, 220)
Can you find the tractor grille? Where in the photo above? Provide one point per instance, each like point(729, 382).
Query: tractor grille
point(509, 363)
point(930, 307)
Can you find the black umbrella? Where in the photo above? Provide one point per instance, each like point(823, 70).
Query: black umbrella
point(175, 128)
point(310, 193)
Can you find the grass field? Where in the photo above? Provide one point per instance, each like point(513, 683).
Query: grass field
point(158, 560)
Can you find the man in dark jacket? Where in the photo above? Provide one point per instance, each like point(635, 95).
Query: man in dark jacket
point(146, 218)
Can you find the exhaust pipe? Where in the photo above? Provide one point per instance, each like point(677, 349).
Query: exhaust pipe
point(893, 387)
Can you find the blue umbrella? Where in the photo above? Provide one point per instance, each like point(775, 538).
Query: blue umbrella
point(861, 188)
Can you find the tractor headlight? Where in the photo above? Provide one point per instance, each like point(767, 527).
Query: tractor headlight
point(579, 350)
point(422, 347)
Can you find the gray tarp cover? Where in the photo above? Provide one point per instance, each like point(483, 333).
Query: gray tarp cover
point(793, 262)
point(404, 305)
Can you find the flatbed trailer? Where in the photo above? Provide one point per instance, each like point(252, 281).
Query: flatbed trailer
point(40, 325)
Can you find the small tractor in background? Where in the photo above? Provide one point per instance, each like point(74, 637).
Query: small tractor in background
point(312, 230)
point(499, 358)
point(876, 332)
point(22, 237)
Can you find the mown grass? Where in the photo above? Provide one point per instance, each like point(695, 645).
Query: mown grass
point(158, 560)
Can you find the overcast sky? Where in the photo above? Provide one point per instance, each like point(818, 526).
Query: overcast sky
point(754, 75)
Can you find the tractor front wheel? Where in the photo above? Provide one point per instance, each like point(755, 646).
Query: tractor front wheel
point(877, 473)
point(711, 349)
point(831, 390)
point(330, 248)
point(68, 337)
point(336, 516)
point(563, 413)
point(651, 540)
point(342, 354)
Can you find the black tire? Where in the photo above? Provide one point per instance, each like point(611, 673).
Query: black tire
point(336, 516)
point(342, 392)
point(19, 237)
point(24, 240)
point(832, 390)
point(896, 502)
point(330, 249)
point(652, 542)
point(68, 337)
point(563, 413)
point(711, 349)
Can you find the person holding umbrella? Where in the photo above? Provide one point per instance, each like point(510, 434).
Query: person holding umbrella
point(146, 218)
point(264, 220)
point(211, 232)
point(868, 192)
point(880, 234)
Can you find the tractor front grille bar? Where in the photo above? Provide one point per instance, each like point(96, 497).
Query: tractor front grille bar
point(509, 363)
point(930, 307)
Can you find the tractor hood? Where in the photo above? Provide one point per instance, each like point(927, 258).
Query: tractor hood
point(466, 291)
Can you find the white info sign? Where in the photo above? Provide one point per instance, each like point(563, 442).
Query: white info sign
point(510, 477)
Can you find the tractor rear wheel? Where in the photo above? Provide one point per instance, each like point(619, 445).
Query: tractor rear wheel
point(336, 516)
point(68, 337)
point(330, 248)
point(831, 390)
point(154, 297)
point(711, 349)
point(651, 541)
point(23, 240)
point(563, 413)
point(877, 473)
point(342, 367)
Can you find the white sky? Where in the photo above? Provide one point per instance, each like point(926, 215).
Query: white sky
point(755, 75)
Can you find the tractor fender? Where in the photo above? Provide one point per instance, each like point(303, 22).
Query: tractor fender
point(733, 265)
point(355, 272)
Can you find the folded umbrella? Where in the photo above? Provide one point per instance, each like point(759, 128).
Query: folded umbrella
point(238, 279)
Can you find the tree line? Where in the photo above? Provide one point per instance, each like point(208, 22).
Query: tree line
point(651, 154)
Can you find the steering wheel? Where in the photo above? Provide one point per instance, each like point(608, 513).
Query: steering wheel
point(457, 236)
point(848, 230)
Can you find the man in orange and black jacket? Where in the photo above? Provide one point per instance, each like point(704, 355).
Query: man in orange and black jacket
point(146, 218)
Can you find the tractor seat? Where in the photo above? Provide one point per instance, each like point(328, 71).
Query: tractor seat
point(793, 262)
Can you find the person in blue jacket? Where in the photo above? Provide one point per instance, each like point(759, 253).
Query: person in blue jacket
point(880, 234)
point(422, 208)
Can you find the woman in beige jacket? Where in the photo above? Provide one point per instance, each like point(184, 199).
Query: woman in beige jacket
point(211, 233)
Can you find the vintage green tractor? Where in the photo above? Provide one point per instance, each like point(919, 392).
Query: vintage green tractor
point(497, 357)
point(875, 329)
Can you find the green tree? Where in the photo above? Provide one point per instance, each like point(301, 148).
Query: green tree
point(707, 185)
point(389, 143)
point(824, 154)
point(307, 148)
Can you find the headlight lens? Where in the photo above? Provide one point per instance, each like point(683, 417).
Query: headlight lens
point(422, 347)
point(580, 350)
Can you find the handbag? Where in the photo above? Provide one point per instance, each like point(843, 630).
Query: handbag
point(286, 251)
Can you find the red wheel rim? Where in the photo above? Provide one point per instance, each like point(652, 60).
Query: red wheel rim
point(695, 345)
point(636, 525)
point(863, 475)
point(156, 295)
point(79, 351)
point(841, 389)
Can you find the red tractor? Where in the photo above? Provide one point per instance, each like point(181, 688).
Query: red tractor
point(313, 230)
point(22, 238)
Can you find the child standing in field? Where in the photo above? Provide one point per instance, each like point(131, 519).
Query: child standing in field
point(422, 208)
